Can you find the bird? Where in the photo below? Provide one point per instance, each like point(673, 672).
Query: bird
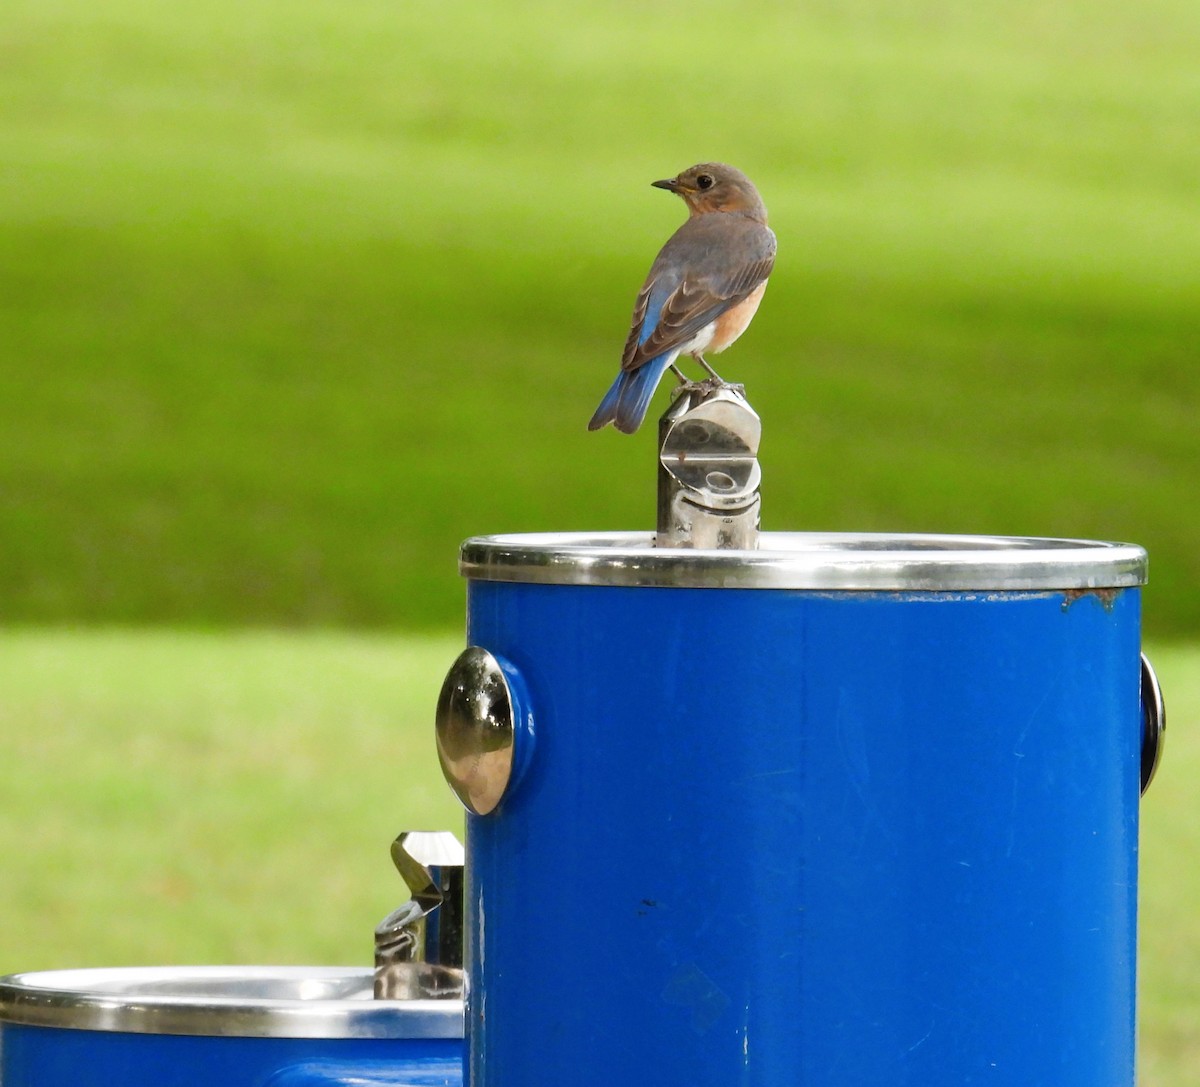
point(702, 290)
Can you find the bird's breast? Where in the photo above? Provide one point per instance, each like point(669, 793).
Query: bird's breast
point(735, 320)
point(700, 342)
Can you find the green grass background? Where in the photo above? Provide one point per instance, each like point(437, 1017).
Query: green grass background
point(294, 297)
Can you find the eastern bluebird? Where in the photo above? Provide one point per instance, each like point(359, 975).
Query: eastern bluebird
point(702, 290)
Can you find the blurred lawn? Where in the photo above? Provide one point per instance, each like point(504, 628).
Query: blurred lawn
point(181, 797)
point(1169, 938)
point(295, 297)
point(175, 797)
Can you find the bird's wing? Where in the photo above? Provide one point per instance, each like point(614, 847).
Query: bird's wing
point(704, 269)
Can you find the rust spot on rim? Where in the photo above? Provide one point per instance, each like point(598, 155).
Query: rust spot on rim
point(1107, 597)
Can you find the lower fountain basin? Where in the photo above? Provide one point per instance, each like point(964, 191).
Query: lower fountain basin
point(241, 1026)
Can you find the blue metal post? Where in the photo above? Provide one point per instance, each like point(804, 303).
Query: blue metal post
point(813, 838)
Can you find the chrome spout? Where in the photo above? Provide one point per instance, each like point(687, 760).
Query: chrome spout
point(708, 471)
point(427, 930)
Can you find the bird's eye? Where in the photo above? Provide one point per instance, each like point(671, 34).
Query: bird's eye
point(704, 181)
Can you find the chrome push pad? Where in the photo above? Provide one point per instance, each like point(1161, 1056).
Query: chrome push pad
point(476, 730)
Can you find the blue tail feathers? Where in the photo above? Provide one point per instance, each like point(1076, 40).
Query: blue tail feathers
point(626, 403)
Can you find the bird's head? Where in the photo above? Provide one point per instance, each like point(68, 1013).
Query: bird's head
point(713, 186)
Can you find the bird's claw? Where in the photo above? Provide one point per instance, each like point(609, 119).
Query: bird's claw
point(707, 387)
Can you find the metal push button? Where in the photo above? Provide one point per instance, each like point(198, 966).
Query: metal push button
point(1154, 723)
point(476, 730)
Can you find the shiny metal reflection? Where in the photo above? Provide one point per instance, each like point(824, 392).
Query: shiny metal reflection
point(822, 561)
point(1154, 723)
point(476, 730)
point(708, 473)
point(428, 928)
point(232, 1001)
point(419, 981)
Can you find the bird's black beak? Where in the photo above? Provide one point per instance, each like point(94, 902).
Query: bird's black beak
point(671, 184)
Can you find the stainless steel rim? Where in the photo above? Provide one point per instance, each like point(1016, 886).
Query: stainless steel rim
point(821, 561)
point(224, 1001)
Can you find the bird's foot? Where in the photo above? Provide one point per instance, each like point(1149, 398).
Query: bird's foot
point(714, 382)
point(706, 387)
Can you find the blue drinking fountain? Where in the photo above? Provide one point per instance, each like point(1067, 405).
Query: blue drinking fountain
point(399, 1025)
point(745, 809)
point(802, 809)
